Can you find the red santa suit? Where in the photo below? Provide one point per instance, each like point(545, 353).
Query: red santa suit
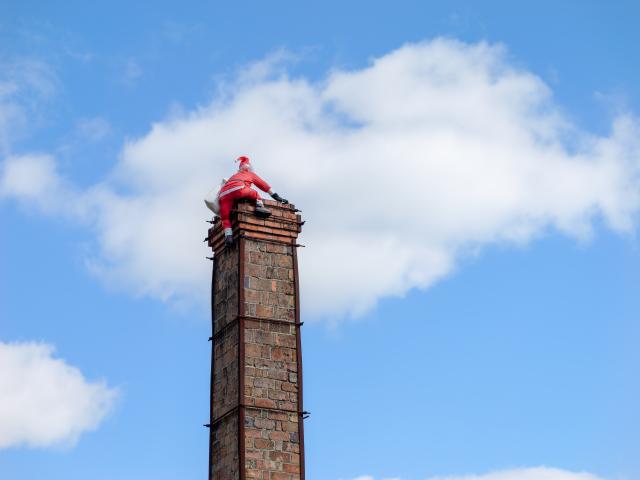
point(239, 187)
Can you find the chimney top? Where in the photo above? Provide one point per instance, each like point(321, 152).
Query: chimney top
point(283, 226)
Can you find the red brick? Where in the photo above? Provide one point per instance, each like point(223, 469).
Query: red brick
point(263, 444)
point(264, 311)
point(264, 402)
point(290, 468)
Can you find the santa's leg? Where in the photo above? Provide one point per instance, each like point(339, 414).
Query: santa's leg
point(251, 194)
point(226, 204)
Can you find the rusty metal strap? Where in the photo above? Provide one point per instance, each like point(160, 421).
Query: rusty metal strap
point(235, 320)
point(274, 242)
point(224, 415)
point(224, 330)
point(303, 414)
point(220, 240)
point(272, 219)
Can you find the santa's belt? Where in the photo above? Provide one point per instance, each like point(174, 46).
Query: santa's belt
point(232, 189)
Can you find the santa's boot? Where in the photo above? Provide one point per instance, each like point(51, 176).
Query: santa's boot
point(261, 211)
point(228, 237)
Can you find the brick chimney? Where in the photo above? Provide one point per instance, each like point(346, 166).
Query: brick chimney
point(256, 415)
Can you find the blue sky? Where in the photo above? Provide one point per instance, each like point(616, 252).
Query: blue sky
point(488, 325)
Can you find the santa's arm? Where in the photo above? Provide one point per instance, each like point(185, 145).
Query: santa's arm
point(264, 186)
point(260, 183)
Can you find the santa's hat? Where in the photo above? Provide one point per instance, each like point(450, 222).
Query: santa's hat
point(245, 163)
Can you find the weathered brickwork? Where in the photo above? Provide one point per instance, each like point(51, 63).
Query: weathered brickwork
point(225, 372)
point(271, 369)
point(225, 378)
point(272, 446)
point(269, 281)
point(226, 289)
point(224, 449)
point(256, 349)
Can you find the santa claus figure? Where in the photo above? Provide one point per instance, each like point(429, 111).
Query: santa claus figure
point(238, 187)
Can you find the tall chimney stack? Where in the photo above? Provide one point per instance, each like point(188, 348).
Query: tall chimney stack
point(256, 415)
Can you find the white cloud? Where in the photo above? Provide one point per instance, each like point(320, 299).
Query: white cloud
point(45, 401)
point(402, 168)
point(30, 177)
point(24, 85)
point(369, 477)
point(93, 129)
point(34, 179)
point(538, 473)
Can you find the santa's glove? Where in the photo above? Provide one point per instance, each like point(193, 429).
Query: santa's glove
point(278, 198)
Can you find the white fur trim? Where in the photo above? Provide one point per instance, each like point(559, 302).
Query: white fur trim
point(232, 189)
